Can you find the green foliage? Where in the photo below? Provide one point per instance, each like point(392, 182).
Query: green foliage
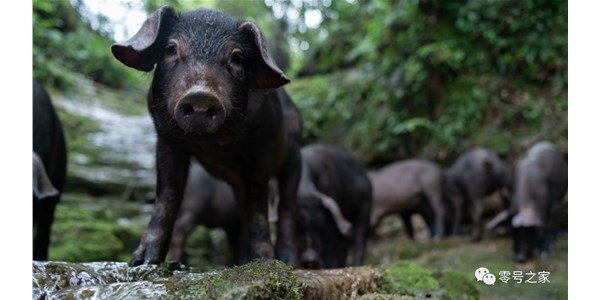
point(387, 79)
point(405, 278)
point(86, 235)
point(412, 78)
point(458, 285)
point(63, 42)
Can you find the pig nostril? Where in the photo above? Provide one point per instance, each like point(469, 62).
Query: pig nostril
point(199, 112)
point(187, 110)
point(211, 112)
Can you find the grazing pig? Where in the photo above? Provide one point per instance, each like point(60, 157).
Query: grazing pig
point(210, 202)
point(334, 203)
point(476, 174)
point(49, 168)
point(540, 185)
point(408, 187)
point(215, 95)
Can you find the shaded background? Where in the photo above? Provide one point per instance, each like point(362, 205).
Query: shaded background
point(387, 80)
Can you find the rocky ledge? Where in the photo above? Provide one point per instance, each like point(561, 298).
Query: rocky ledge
point(260, 279)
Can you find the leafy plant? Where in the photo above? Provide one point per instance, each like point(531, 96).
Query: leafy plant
point(423, 77)
point(63, 43)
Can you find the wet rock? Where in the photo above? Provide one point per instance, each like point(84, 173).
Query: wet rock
point(260, 279)
point(95, 280)
point(110, 139)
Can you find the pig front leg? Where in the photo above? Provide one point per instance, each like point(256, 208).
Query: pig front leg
point(234, 238)
point(457, 204)
point(285, 248)
point(183, 227)
point(45, 215)
point(255, 220)
point(172, 165)
point(476, 216)
point(361, 231)
point(437, 228)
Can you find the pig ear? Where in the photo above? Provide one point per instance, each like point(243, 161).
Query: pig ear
point(138, 52)
point(498, 219)
point(526, 218)
point(341, 222)
point(268, 75)
point(42, 187)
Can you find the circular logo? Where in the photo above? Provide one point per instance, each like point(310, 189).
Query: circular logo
point(489, 279)
point(480, 272)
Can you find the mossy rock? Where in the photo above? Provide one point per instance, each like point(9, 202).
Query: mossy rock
point(260, 279)
point(458, 285)
point(376, 296)
point(405, 278)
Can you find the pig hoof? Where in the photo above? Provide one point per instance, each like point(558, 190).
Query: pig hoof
point(141, 257)
point(135, 262)
point(289, 260)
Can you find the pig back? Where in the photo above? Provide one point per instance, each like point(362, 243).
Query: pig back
point(339, 175)
point(396, 187)
point(541, 178)
point(479, 172)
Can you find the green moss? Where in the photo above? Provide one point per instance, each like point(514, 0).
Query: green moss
point(81, 235)
point(494, 252)
point(260, 279)
point(77, 128)
point(376, 296)
point(458, 286)
point(405, 278)
point(100, 243)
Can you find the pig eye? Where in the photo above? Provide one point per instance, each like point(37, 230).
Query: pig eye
point(171, 49)
point(236, 57)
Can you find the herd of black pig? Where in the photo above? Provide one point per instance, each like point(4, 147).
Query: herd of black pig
point(225, 127)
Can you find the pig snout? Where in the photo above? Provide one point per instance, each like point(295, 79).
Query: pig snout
point(310, 259)
point(200, 112)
